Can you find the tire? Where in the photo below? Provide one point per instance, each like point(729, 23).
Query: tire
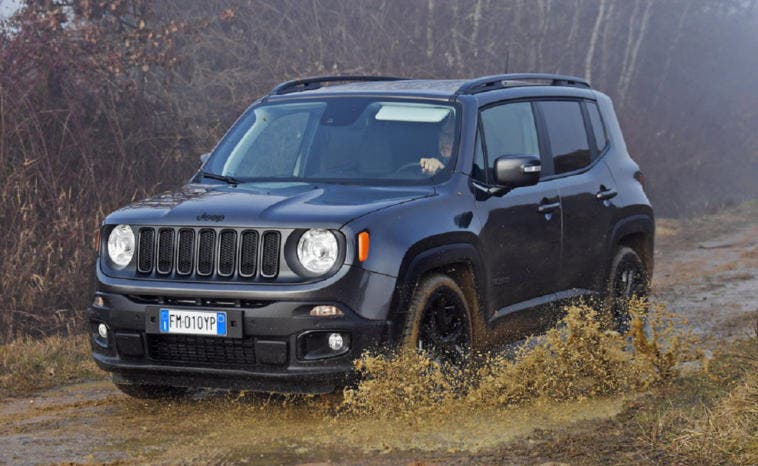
point(151, 392)
point(438, 320)
point(627, 279)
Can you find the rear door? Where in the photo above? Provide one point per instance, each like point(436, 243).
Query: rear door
point(521, 231)
point(586, 188)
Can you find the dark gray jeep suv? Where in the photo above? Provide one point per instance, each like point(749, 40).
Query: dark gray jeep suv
point(373, 212)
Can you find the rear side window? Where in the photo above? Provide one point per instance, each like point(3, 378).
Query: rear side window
point(567, 135)
point(598, 130)
point(509, 129)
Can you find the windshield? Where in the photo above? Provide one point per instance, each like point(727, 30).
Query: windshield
point(338, 139)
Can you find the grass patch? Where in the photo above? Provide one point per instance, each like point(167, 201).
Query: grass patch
point(29, 364)
point(682, 233)
point(712, 418)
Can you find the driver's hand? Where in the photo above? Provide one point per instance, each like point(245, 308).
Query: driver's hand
point(431, 166)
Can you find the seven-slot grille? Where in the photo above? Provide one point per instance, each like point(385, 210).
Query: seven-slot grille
point(207, 252)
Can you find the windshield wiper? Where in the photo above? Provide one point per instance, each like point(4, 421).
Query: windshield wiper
point(226, 179)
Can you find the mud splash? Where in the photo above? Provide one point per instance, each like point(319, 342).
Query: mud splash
point(577, 360)
point(408, 402)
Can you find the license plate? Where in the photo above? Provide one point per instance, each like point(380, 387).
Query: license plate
point(192, 322)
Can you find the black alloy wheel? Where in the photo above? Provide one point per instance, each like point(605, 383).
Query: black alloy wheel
point(438, 322)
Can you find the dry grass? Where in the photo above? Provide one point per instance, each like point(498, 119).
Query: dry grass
point(675, 234)
point(28, 364)
point(713, 419)
point(667, 227)
point(726, 433)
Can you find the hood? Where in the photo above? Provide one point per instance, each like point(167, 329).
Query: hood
point(270, 204)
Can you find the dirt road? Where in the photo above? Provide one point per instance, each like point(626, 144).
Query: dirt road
point(706, 271)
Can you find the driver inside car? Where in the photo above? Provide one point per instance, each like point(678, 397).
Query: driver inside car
point(431, 164)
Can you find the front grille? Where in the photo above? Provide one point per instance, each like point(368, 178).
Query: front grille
point(249, 254)
point(270, 260)
point(209, 253)
point(227, 251)
point(165, 251)
point(206, 252)
point(202, 351)
point(185, 260)
point(146, 250)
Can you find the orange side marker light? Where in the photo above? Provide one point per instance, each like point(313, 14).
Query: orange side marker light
point(364, 241)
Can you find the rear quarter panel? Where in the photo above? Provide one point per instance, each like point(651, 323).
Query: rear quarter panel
point(634, 213)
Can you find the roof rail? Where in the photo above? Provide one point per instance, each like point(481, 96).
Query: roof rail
point(501, 81)
point(309, 84)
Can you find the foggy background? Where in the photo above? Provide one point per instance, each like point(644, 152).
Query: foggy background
point(105, 102)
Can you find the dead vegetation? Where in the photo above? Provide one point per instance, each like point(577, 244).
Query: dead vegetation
point(30, 365)
point(726, 432)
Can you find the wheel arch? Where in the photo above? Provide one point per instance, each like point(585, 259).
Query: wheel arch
point(460, 260)
point(638, 233)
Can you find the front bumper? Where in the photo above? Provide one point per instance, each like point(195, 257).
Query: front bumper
point(268, 355)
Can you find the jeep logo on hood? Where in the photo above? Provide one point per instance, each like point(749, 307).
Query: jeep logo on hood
point(206, 217)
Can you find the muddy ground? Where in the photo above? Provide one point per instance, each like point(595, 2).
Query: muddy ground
point(706, 270)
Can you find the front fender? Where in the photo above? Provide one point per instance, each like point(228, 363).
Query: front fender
point(426, 257)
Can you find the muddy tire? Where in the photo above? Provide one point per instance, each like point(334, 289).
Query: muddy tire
point(438, 320)
point(627, 279)
point(151, 392)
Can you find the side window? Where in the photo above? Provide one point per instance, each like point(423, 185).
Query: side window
point(567, 135)
point(478, 170)
point(509, 129)
point(598, 129)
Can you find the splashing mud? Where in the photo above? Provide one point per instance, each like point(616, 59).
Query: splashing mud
point(577, 360)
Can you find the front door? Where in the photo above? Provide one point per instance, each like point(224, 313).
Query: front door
point(521, 231)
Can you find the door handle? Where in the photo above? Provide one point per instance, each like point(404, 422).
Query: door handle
point(546, 206)
point(604, 194)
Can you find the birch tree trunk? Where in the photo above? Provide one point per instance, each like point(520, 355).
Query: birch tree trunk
point(593, 41)
point(626, 78)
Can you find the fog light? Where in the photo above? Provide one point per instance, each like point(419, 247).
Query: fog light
point(336, 342)
point(102, 330)
point(99, 301)
point(319, 344)
point(326, 311)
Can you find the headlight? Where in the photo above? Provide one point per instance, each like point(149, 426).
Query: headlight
point(121, 246)
point(318, 250)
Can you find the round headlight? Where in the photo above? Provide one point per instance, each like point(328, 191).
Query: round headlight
point(318, 250)
point(121, 245)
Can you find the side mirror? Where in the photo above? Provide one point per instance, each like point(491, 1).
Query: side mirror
point(513, 171)
point(204, 158)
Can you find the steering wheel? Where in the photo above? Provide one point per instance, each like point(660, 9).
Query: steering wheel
point(408, 166)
